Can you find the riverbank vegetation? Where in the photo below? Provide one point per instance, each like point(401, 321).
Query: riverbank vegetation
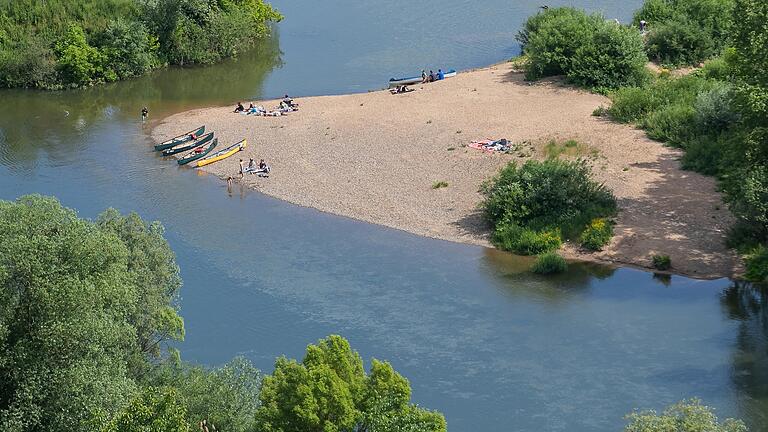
point(717, 114)
point(534, 207)
point(58, 43)
point(87, 312)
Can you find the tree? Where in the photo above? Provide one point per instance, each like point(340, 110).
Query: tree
point(155, 410)
point(684, 416)
point(226, 397)
point(329, 392)
point(71, 300)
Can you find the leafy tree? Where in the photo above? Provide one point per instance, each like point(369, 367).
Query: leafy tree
point(589, 50)
point(684, 416)
point(329, 391)
point(155, 410)
point(80, 63)
point(70, 298)
point(130, 49)
point(226, 397)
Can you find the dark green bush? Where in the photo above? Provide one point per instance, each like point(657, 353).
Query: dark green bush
point(597, 234)
point(661, 262)
point(613, 58)
point(534, 206)
point(525, 241)
point(589, 50)
point(757, 265)
point(686, 31)
point(549, 263)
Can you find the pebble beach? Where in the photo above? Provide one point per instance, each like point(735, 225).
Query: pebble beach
point(376, 157)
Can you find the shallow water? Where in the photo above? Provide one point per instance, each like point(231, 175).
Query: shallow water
point(493, 347)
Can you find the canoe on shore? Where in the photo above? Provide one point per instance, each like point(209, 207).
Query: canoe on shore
point(394, 82)
point(221, 154)
point(179, 139)
point(198, 152)
point(189, 145)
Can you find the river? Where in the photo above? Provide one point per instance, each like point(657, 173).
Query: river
point(482, 340)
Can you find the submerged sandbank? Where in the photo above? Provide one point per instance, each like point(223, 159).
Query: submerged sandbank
point(375, 156)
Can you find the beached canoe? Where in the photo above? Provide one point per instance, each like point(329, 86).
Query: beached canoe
point(179, 139)
point(189, 145)
point(198, 152)
point(221, 154)
point(394, 82)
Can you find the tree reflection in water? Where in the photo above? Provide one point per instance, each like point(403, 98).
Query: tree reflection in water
point(748, 304)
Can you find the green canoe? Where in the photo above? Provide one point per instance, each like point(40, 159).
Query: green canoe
point(189, 145)
point(192, 156)
point(179, 139)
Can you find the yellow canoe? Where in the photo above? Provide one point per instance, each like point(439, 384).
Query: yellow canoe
point(222, 154)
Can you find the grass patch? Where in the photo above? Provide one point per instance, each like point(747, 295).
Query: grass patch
point(525, 241)
point(661, 262)
point(549, 263)
point(439, 184)
point(570, 148)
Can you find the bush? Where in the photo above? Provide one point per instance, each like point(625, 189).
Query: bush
point(613, 58)
point(590, 51)
point(672, 124)
point(714, 110)
point(661, 262)
point(597, 234)
point(552, 193)
point(439, 184)
point(686, 31)
point(630, 104)
point(524, 241)
point(757, 265)
point(549, 263)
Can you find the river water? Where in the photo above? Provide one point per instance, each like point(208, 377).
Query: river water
point(482, 340)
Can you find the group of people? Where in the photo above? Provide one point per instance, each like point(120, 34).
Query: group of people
point(431, 77)
point(286, 105)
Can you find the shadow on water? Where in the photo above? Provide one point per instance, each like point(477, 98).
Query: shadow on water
point(514, 271)
point(748, 305)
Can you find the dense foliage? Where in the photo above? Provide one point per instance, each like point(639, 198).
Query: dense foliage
point(684, 416)
point(719, 116)
point(686, 31)
point(532, 205)
point(84, 309)
point(587, 49)
point(79, 42)
point(330, 391)
point(597, 234)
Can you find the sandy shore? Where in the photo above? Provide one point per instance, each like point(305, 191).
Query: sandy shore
point(374, 156)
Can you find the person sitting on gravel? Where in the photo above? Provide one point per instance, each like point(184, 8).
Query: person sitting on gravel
point(239, 108)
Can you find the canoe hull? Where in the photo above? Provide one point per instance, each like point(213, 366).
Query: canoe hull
point(194, 157)
point(222, 154)
point(179, 139)
point(178, 148)
point(394, 82)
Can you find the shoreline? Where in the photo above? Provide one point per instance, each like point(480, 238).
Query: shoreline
point(374, 157)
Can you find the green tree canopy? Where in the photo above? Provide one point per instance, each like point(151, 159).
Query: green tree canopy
point(83, 307)
point(329, 391)
point(684, 416)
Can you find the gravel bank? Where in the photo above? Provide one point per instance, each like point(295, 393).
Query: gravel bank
point(375, 156)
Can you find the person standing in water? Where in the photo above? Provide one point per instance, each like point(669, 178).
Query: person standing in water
point(144, 114)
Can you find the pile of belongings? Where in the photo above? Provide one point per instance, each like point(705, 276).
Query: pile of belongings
point(490, 146)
